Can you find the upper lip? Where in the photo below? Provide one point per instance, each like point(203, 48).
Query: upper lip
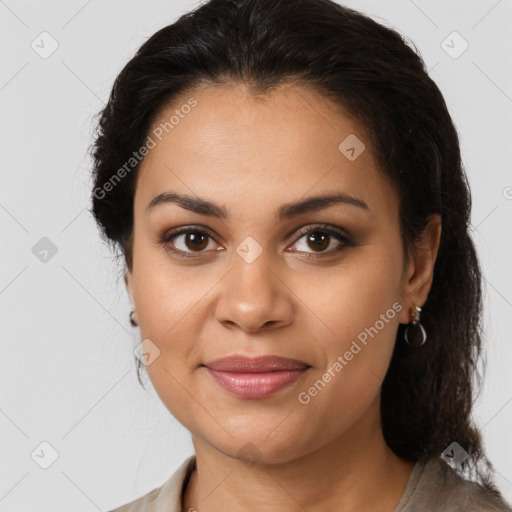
point(246, 364)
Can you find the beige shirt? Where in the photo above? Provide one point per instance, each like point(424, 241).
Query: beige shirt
point(432, 487)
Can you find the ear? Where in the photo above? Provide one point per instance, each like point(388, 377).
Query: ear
point(420, 268)
point(128, 281)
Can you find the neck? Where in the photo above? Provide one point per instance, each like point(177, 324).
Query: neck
point(357, 471)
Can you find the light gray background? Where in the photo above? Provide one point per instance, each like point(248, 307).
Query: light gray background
point(67, 374)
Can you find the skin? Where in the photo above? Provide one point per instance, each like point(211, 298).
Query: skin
point(251, 156)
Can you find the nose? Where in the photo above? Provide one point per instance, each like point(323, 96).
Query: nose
point(253, 297)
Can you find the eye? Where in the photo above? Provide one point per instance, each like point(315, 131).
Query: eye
point(184, 242)
point(320, 238)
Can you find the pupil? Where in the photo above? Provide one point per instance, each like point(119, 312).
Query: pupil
point(195, 238)
point(319, 239)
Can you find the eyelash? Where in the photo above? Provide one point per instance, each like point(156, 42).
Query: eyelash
point(345, 240)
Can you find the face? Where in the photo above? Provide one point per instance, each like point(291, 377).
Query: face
point(252, 275)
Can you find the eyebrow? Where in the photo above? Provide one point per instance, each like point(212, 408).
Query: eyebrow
point(285, 212)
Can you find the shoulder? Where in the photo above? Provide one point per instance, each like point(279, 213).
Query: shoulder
point(167, 497)
point(434, 485)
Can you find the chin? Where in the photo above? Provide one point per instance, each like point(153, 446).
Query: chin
point(262, 448)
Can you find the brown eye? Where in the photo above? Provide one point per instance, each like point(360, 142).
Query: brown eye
point(322, 241)
point(186, 242)
point(195, 241)
point(318, 240)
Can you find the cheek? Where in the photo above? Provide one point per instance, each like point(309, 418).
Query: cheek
point(346, 301)
point(166, 295)
point(358, 307)
point(169, 308)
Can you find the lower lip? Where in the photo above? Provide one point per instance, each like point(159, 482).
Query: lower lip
point(255, 385)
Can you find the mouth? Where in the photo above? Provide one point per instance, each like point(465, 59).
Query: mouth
point(255, 377)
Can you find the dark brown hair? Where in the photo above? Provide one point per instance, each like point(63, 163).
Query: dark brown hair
point(374, 74)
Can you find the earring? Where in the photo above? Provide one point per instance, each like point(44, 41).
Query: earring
point(415, 334)
point(132, 321)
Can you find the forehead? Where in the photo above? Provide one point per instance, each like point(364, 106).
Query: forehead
point(285, 145)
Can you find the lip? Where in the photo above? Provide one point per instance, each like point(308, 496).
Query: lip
point(255, 377)
point(245, 364)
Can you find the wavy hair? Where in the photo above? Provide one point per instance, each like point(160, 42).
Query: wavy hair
point(375, 75)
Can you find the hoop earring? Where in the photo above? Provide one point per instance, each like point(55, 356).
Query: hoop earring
point(415, 334)
point(132, 321)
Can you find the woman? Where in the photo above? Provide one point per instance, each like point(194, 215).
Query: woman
point(285, 184)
